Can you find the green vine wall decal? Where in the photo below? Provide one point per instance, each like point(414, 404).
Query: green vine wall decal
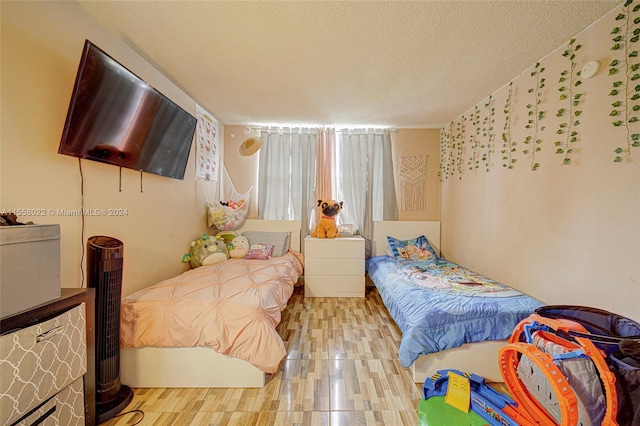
point(536, 115)
point(569, 80)
point(508, 145)
point(473, 163)
point(626, 72)
point(445, 152)
point(488, 134)
point(460, 145)
point(455, 144)
point(451, 158)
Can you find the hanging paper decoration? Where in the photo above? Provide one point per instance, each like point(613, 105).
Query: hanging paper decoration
point(413, 180)
point(206, 145)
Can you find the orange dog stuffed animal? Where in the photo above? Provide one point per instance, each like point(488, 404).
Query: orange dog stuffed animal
point(326, 227)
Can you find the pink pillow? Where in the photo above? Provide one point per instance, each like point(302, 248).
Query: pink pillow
point(260, 251)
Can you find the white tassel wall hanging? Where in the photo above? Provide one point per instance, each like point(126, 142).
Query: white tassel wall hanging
point(413, 182)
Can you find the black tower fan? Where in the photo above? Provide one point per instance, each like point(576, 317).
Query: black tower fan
point(104, 273)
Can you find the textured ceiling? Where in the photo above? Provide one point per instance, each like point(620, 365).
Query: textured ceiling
point(399, 64)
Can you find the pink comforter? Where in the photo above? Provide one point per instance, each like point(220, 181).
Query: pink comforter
point(233, 306)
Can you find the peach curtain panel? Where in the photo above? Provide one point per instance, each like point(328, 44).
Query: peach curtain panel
point(326, 164)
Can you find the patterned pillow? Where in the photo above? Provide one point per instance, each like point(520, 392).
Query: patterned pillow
point(415, 249)
point(260, 251)
point(280, 240)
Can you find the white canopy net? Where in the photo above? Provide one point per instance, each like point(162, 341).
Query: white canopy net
point(229, 212)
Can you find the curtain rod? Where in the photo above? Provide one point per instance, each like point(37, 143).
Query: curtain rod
point(284, 130)
point(305, 130)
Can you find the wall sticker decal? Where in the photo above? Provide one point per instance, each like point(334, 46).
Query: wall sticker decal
point(488, 133)
point(570, 101)
point(206, 145)
point(508, 144)
point(535, 113)
point(625, 70)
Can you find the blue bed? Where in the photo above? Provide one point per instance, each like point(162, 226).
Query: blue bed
point(439, 305)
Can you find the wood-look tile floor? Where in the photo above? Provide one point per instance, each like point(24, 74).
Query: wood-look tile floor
point(341, 368)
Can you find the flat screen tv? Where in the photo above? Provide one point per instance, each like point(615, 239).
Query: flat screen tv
point(115, 117)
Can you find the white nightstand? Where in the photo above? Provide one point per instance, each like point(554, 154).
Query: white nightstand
point(334, 267)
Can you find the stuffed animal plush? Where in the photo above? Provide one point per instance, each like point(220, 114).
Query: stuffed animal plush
point(206, 251)
point(227, 237)
point(326, 227)
point(239, 247)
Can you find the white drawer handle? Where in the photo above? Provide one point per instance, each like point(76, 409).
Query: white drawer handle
point(49, 334)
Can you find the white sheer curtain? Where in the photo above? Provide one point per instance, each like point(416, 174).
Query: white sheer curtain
point(286, 179)
point(365, 180)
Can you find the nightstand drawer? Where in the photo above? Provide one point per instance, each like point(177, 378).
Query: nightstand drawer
point(341, 248)
point(332, 286)
point(334, 267)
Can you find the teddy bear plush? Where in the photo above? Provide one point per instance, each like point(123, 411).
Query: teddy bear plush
point(206, 251)
point(326, 227)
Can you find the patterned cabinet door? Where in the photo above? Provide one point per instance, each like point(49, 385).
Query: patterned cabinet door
point(38, 362)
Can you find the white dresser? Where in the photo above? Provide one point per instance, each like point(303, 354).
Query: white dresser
point(334, 267)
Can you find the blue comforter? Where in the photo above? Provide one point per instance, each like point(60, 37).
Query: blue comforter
point(439, 305)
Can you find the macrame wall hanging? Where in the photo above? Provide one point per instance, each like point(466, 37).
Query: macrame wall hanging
point(413, 183)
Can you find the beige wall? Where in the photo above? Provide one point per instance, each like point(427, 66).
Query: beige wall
point(566, 234)
point(418, 143)
point(41, 46)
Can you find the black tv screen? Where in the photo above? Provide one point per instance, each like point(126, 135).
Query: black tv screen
point(115, 117)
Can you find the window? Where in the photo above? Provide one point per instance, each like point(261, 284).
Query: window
point(299, 167)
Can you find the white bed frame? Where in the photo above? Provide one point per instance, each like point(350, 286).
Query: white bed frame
point(199, 367)
point(479, 358)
